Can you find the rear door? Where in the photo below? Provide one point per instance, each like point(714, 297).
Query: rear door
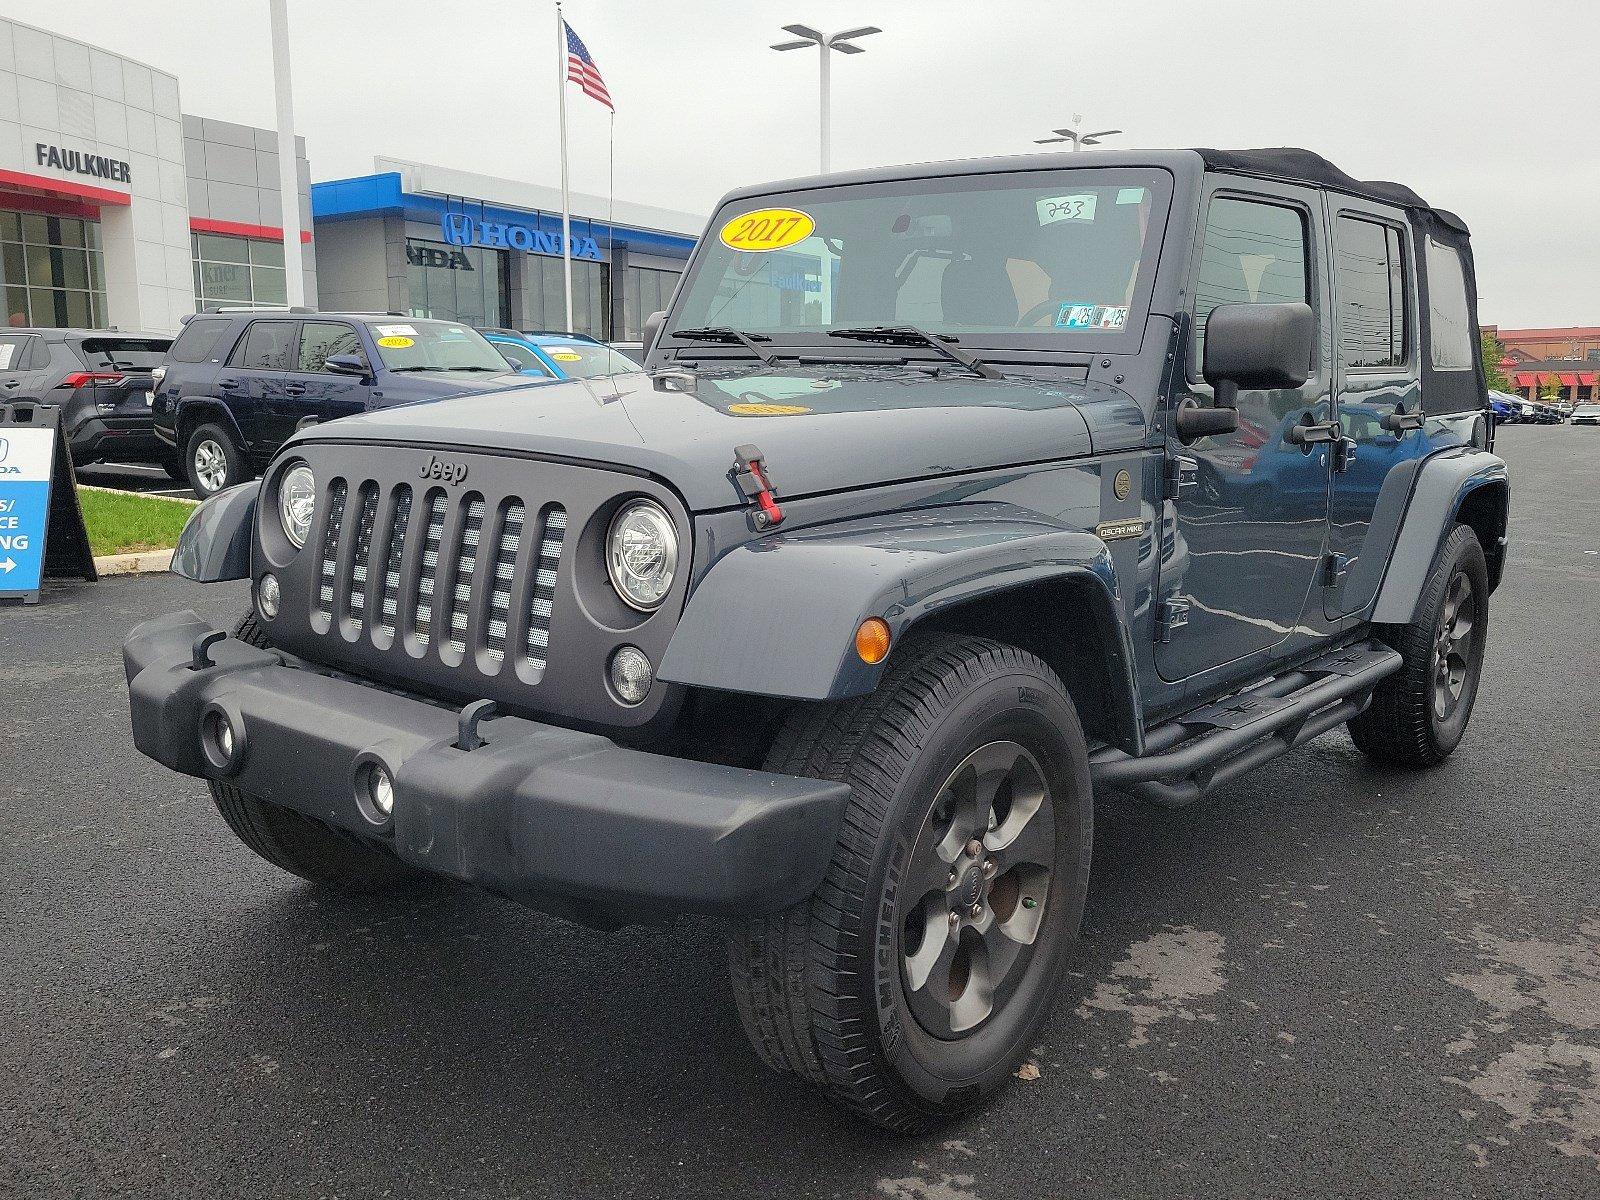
point(1252, 506)
point(252, 384)
point(310, 389)
point(24, 359)
point(1379, 399)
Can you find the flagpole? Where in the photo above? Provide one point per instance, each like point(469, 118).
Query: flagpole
point(611, 220)
point(566, 200)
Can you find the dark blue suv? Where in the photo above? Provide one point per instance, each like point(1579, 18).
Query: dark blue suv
point(236, 385)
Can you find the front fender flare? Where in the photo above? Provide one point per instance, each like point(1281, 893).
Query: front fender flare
point(777, 616)
point(1443, 484)
point(215, 543)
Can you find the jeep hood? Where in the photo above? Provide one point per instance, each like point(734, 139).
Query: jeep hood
point(820, 431)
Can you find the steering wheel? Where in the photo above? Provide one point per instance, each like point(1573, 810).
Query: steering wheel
point(1044, 309)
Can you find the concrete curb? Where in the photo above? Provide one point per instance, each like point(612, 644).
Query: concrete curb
point(146, 562)
point(91, 487)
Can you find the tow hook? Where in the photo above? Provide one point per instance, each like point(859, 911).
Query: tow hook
point(750, 473)
point(467, 736)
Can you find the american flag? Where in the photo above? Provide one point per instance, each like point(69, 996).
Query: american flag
point(582, 71)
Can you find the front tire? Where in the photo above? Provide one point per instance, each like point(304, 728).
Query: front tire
point(1419, 714)
point(914, 980)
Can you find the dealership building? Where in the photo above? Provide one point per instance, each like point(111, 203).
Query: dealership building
point(116, 207)
point(429, 241)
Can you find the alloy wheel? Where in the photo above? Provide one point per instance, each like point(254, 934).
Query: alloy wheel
point(211, 465)
point(973, 897)
point(1453, 646)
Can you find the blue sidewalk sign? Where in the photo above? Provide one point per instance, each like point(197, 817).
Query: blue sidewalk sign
point(32, 459)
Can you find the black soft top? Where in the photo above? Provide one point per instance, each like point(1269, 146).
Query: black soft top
point(1306, 166)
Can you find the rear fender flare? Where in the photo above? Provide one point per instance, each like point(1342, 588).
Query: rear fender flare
point(777, 616)
point(1443, 486)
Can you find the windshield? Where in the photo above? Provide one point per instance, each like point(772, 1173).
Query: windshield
point(583, 360)
point(1022, 259)
point(416, 345)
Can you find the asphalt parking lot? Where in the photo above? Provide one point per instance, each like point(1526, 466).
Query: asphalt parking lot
point(134, 477)
point(1328, 980)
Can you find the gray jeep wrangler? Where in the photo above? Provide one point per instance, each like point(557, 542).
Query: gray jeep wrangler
point(950, 495)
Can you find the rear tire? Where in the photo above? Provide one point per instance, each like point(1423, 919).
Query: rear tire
point(213, 461)
point(906, 993)
point(1419, 714)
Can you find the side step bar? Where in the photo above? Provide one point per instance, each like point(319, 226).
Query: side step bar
point(1187, 757)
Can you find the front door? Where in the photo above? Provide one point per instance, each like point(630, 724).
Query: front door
point(1252, 506)
point(319, 393)
point(1379, 397)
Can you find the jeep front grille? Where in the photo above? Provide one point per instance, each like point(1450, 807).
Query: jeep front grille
point(496, 557)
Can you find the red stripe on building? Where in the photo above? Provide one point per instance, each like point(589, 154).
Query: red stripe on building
point(263, 233)
point(62, 187)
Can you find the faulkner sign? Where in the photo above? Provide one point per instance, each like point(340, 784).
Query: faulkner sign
point(81, 162)
point(463, 229)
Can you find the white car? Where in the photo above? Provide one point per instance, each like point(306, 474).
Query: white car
point(1586, 414)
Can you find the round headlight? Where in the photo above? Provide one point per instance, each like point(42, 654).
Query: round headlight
point(642, 554)
point(297, 501)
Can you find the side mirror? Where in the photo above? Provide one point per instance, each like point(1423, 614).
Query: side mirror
point(652, 330)
point(512, 362)
point(1251, 346)
point(347, 364)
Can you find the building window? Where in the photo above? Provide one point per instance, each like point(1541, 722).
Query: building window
point(52, 271)
point(1370, 285)
point(644, 291)
point(236, 272)
point(456, 283)
point(544, 300)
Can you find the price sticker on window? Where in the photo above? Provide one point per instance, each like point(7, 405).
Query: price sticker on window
point(1066, 208)
point(767, 229)
point(566, 356)
point(396, 342)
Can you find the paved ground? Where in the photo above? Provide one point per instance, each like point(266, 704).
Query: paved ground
point(131, 477)
point(1330, 980)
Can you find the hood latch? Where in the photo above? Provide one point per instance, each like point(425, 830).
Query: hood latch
point(750, 473)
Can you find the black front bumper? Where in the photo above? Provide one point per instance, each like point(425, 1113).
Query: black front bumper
point(557, 818)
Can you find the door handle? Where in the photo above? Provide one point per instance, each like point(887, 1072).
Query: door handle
point(1400, 420)
point(295, 389)
point(227, 385)
point(1344, 453)
point(1312, 433)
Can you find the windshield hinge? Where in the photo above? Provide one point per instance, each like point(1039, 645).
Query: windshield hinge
point(750, 473)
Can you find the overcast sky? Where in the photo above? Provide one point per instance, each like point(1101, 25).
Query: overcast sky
point(1485, 108)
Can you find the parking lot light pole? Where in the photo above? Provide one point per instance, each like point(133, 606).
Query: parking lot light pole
point(826, 43)
point(288, 160)
point(1077, 140)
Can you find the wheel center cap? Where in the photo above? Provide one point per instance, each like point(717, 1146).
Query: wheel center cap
point(971, 889)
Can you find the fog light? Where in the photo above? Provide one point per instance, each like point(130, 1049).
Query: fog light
point(267, 596)
point(382, 788)
point(631, 674)
point(223, 732)
point(222, 744)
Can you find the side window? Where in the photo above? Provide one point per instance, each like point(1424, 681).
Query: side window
point(1253, 253)
point(265, 347)
point(1449, 322)
point(198, 339)
point(1369, 285)
point(321, 340)
point(525, 358)
point(41, 354)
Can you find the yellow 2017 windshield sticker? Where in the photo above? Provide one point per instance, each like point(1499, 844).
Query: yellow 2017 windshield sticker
point(767, 229)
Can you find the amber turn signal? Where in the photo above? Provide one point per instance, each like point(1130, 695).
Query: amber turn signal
point(872, 641)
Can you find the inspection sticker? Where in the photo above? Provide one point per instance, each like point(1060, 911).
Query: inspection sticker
point(1133, 195)
point(1075, 316)
point(396, 342)
point(767, 229)
point(1066, 208)
point(1111, 316)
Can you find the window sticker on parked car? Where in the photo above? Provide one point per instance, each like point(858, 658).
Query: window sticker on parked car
point(750, 409)
point(1073, 315)
point(396, 342)
point(1133, 195)
point(767, 229)
point(384, 331)
point(1066, 208)
point(566, 356)
point(6, 350)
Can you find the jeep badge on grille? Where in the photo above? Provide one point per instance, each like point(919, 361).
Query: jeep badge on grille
point(439, 468)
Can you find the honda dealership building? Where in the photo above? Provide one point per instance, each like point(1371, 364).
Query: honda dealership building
point(118, 208)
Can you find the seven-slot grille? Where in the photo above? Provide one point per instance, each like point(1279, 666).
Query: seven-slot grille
point(501, 554)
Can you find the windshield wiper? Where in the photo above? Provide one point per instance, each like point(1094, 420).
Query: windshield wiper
point(730, 336)
point(910, 335)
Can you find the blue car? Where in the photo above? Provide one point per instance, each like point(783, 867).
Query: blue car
point(559, 355)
